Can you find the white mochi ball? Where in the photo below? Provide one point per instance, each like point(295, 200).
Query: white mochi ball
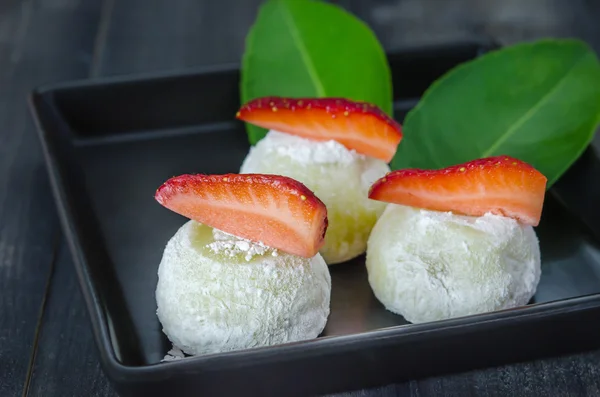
point(219, 293)
point(341, 178)
point(429, 265)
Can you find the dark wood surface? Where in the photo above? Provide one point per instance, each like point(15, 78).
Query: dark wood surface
point(37, 45)
point(46, 345)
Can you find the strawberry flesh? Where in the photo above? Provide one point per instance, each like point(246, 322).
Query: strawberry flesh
point(358, 126)
point(500, 185)
point(277, 211)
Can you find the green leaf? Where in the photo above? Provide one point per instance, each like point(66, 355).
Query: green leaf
point(306, 48)
point(539, 102)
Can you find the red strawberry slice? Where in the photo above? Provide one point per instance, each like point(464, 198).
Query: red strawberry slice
point(500, 185)
point(278, 211)
point(356, 125)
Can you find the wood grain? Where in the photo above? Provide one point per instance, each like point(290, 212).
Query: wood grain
point(55, 39)
point(156, 35)
point(37, 45)
point(576, 375)
point(419, 22)
point(67, 361)
point(126, 41)
point(569, 376)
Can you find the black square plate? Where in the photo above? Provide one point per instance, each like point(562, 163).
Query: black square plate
point(110, 143)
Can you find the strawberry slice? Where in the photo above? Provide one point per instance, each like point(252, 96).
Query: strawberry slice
point(500, 185)
point(278, 211)
point(360, 126)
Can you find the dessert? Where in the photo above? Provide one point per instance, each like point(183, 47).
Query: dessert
point(457, 241)
point(337, 148)
point(244, 271)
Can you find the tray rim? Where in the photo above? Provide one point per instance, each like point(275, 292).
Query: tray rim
point(225, 67)
point(133, 373)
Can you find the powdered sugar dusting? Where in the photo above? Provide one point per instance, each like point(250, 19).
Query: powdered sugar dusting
point(308, 151)
point(231, 245)
point(209, 304)
point(174, 354)
point(429, 265)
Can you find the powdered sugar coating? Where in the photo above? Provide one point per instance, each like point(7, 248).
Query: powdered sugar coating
point(231, 246)
point(429, 265)
point(210, 302)
point(307, 151)
point(339, 177)
point(174, 354)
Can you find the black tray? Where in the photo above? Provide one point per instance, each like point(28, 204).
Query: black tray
point(110, 143)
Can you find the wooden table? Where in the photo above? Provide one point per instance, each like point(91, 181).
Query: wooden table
point(46, 347)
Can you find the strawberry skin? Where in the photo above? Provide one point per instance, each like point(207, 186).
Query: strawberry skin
point(278, 211)
point(500, 185)
point(358, 126)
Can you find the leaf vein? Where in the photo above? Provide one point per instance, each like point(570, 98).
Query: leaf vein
point(314, 76)
point(531, 112)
